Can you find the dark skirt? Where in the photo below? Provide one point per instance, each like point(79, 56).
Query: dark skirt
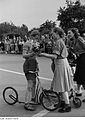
point(79, 75)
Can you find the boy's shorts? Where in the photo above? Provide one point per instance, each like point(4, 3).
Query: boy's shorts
point(31, 76)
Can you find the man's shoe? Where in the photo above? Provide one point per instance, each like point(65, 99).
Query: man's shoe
point(67, 108)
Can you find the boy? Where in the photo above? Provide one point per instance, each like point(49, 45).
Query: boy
point(30, 64)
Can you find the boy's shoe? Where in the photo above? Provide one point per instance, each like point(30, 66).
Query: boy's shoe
point(66, 108)
point(29, 107)
point(33, 101)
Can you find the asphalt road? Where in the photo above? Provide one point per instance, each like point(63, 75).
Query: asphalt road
point(11, 74)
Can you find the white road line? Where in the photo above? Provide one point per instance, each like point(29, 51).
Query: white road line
point(41, 113)
point(4, 70)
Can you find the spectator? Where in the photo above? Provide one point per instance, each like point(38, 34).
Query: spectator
point(12, 45)
point(42, 43)
point(16, 46)
point(20, 46)
point(2, 47)
point(48, 44)
point(7, 46)
point(79, 49)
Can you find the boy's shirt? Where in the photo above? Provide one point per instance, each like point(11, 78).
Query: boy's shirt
point(30, 63)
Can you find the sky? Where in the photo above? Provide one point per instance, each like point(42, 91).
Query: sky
point(32, 13)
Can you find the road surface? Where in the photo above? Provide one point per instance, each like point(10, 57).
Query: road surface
point(11, 74)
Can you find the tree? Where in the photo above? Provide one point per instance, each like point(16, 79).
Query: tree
point(29, 32)
point(4, 29)
point(73, 15)
point(46, 27)
point(23, 31)
point(10, 28)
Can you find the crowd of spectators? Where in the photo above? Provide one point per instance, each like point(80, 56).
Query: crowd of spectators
point(14, 45)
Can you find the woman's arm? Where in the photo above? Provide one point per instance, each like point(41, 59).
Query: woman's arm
point(51, 56)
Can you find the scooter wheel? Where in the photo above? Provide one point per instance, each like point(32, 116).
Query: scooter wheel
point(77, 102)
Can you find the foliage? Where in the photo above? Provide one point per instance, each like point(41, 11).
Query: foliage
point(46, 27)
point(24, 30)
point(73, 15)
point(8, 28)
point(33, 29)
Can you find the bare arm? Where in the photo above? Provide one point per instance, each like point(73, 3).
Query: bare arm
point(51, 56)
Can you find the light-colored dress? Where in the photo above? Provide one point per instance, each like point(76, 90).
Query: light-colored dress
point(62, 80)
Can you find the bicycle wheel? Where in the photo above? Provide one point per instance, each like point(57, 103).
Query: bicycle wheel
point(77, 102)
point(10, 95)
point(50, 100)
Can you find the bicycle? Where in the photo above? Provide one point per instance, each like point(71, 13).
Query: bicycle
point(49, 99)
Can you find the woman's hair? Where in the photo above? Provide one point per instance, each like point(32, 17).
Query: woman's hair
point(60, 31)
point(75, 31)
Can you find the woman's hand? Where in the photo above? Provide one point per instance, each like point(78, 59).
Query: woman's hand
point(41, 55)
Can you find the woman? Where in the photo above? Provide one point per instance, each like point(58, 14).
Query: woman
point(79, 50)
point(62, 80)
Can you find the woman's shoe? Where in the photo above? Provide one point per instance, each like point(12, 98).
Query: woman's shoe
point(67, 108)
point(62, 104)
